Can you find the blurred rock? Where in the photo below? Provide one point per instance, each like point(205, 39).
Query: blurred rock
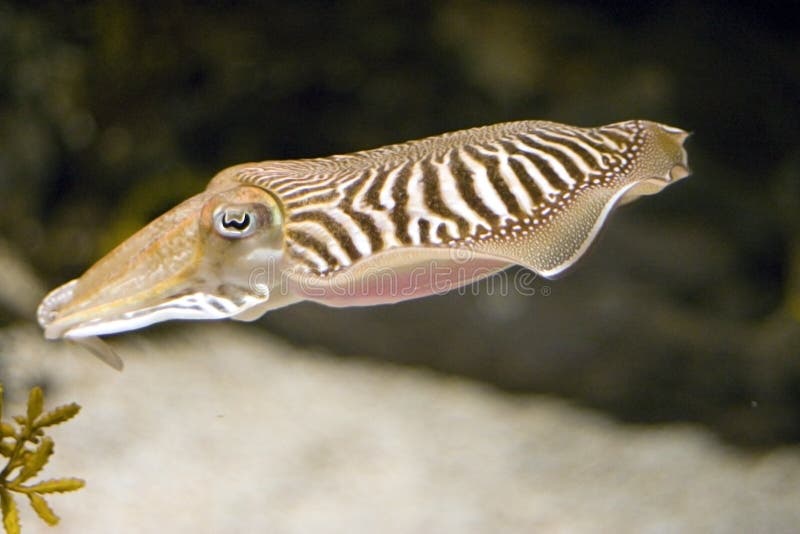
point(216, 428)
point(687, 308)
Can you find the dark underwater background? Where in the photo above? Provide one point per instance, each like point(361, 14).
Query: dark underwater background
point(688, 307)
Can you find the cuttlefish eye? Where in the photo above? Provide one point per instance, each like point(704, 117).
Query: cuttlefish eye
point(235, 222)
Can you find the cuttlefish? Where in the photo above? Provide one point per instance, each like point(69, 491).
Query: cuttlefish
point(373, 227)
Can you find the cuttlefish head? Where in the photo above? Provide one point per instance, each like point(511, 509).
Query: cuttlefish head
point(194, 262)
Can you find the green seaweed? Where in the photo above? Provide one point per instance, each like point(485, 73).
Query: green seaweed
point(27, 450)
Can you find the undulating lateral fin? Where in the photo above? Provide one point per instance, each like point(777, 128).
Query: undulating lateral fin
point(558, 242)
point(556, 246)
point(399, 275)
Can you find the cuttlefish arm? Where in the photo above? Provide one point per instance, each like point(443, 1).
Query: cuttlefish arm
point(373, 227)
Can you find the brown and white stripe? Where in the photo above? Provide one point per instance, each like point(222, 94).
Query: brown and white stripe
point(444, 191)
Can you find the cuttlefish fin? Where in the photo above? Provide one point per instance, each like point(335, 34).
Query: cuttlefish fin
point(558, 244)
point(560, 240)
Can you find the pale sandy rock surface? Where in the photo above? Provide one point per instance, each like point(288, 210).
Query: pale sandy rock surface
point(220, 428)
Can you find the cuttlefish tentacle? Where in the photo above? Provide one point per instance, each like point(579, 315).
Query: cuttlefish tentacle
point(372, 227)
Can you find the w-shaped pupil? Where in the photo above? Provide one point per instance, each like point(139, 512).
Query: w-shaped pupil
point(236, 224)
